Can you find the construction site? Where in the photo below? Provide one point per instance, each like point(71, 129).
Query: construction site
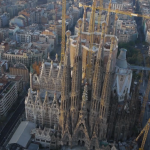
point(110, 108)
point(89, 100)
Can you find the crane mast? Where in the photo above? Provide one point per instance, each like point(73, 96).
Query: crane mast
point(63, 30)
point(89, 66)
point(147, 127)
point(145, 131)
point(92, 26)
point(120, 12)
point(145, 99)
point(107, 19)
point(115, 24)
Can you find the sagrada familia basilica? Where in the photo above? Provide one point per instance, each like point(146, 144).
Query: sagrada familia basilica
point(73, 109)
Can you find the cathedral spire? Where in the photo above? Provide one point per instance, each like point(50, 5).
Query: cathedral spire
point(43, 72)
point(55, 98)
point(108, 19)
point(48, 57)
point(65, 83)
point(84, 103)
point(55, 101)
point(51, 69)
point(76, 80)
point(106, 91)
point(38, 99)
point(84, 21)
point(56, 57)
point(98, 72)
point(107, 81)
point(30, 96)
point(67, 56)
point(60, 71)
point(51, 64)
point(84, 97)
point(97, 82)
point(31, 82)
point(66, 71)
point(77, 67)
point(92, 17)
point(79, 45)
point(46, 100)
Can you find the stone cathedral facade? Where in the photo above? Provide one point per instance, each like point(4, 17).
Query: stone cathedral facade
point(85, 111)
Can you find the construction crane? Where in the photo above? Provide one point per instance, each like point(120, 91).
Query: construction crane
point(115, 24)
point(145, 99)
point(107, 19)
point(119, 11)
point(145, 131)
point(63, 30)
point(92, 27)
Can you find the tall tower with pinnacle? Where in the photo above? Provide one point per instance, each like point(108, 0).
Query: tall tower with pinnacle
point(97, 82)
point(106, 91)
point(65, 90)
point(108, 19)
point(85, 113)
point(84, 21)
point(84, 104)
point(76, 80)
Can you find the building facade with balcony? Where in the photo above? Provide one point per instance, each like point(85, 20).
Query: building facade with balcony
point(8, 96)
point(27, 57)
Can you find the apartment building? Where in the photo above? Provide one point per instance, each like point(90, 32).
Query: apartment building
point(49, 36)
point(119, 4)
point(126, 30)
point(12, 10)
point(4, 33)
point(76, 12)
point(20, 69)
point(3, 66)
point(36, 15)
point(32, 27)
point(18, 79)
point(144, 7)
point(25, 36)
point(73, 13)
point(27, 57)
point(8, 96)
point(87, 20)
point(4, 20)
point(12, 31)
point(4, 46)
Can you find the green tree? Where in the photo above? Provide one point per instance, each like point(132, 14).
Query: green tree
point(134, 55)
